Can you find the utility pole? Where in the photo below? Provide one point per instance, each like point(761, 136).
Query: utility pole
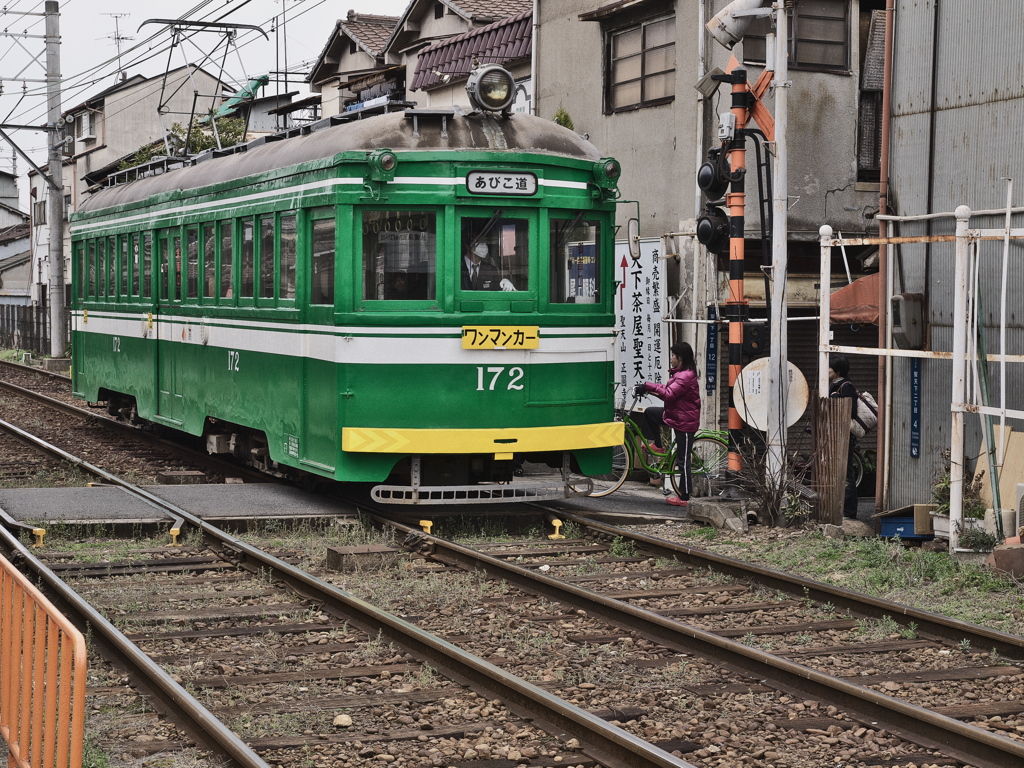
point(778, 354)
point(56, 208)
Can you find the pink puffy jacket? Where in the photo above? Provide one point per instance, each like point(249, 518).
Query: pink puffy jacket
point(682, 399)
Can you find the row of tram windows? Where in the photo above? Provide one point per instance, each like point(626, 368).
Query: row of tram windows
point(400, 252)
point(254, 260)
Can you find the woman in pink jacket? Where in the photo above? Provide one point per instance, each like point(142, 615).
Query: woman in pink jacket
point(681, 412)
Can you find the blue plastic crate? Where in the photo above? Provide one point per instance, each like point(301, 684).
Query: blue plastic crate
point(902, 527)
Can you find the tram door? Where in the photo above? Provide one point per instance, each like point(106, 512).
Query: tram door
point(320, 377)
point(169, 399)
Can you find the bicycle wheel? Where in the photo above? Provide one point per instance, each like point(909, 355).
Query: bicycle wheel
point(858, 467)
point(709, 460)
point(622, 462)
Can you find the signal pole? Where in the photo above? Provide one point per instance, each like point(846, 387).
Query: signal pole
point(736, 310)
point(56, 208)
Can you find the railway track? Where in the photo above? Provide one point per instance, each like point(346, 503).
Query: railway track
point(300, 668)
point(849, 666)
point(41, 402)
point(691, 653)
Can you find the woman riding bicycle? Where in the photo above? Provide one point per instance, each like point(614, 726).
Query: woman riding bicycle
point(681, 412)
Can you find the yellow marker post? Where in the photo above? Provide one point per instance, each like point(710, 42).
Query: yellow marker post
point(426, 525)
point(558, 528)
point(175, 533)
point(38, 533)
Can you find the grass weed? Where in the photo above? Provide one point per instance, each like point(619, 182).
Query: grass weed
point(932, 581)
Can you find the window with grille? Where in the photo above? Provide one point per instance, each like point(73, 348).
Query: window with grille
point(641, 65)
point(819, 36)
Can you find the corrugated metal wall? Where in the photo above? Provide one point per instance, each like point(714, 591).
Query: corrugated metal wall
point(958, 108)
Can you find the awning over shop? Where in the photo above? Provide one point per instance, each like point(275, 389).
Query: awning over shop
point(857, 302)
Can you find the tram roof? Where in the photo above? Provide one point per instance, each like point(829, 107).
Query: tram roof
point(433, 130)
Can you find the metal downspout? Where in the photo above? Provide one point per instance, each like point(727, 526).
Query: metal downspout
point(884, 363)
point(534, 79)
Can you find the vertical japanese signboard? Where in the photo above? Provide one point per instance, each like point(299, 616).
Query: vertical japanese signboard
point(915, 408)
point(641, 349)
point(711, 352)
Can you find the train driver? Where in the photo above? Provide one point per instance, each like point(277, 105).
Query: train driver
point(479, 274)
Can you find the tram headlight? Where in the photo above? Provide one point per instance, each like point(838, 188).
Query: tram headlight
point(606, 173)
point(383, 163)
point(491, 88)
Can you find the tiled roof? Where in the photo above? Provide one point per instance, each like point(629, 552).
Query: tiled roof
point(498, 43)
point(369, 32)
point(496, 9)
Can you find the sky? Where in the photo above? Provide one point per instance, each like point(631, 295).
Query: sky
point(90, 30)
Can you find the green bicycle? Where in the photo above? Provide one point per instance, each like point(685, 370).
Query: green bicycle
point(709, 459)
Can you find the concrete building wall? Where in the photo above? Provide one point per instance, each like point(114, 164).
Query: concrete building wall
point(656, 145)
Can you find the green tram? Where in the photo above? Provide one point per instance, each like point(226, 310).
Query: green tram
point(418, 300)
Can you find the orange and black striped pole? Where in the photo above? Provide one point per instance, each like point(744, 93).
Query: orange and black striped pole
point(736, 306)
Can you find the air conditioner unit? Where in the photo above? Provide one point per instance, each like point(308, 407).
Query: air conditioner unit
point(1019, 506)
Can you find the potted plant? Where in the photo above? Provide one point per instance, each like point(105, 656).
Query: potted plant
point(973, 506)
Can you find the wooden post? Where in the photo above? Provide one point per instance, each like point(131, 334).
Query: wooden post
point(832, 444)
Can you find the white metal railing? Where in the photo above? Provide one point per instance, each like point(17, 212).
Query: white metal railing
point(966, 396)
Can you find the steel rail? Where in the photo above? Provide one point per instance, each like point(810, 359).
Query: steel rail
point(613, 747)
point(219, 464)
point(33, 369)
point(928, 729)
point(928, 624)
point(201, 725)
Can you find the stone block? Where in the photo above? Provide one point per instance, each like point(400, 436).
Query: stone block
point(55, 365)
point(181, 477)
point(730, 514)
point(364, 557)
point(1008, 558)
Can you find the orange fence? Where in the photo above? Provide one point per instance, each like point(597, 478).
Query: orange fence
point(42, 678)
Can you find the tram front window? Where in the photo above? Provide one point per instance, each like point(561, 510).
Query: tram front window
point(575, 261)
point(399, 255)
point(495, 253)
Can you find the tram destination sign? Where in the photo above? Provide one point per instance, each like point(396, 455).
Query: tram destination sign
point(501, 183)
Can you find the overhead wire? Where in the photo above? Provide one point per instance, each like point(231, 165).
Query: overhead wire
point(151, 53)
point(77, 85)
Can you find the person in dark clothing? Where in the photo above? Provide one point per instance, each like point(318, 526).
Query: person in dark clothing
point(479, 274)
point(840, 386)
point(681, 412)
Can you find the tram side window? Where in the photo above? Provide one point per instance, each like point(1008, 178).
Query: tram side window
point(192, 287)
point(267, 257)
point(91, 284)
point(122, 287)
point(287, 269)
point(226, 256)
point(101, 268)
point(176, 254)
point(136, 266)
point(322, 264)
point(248, 254)
point(495, 253)
point(79, 266)
point(575, 261)
point(165, 266)
point(209, 260)
point(399, 255)
point(111, 267)
point(147, 266)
